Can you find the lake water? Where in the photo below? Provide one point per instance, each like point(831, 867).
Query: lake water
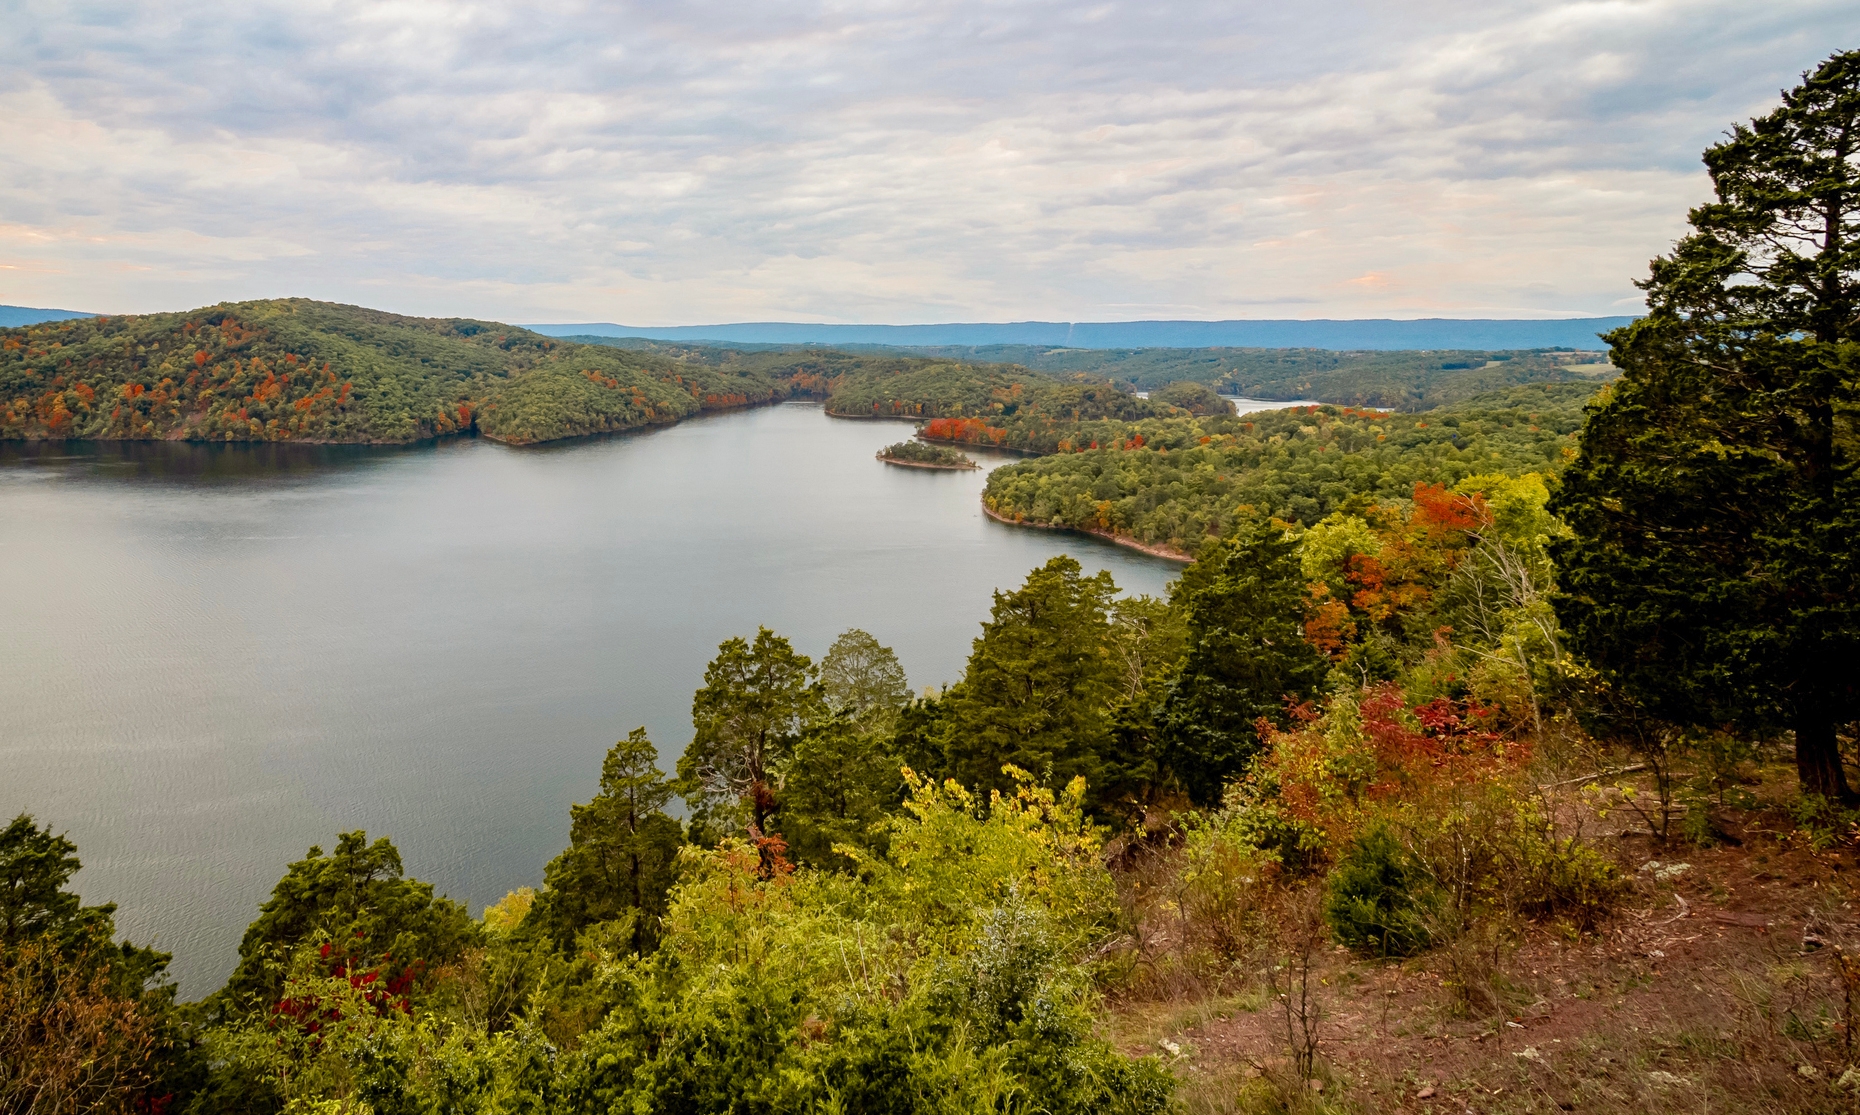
point(214, 657)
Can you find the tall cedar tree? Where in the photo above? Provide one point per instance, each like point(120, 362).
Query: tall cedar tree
point(846, 774)
point(1712, 571)
point(372, 915)
point(748, 717)
point(35, 867)
point(1247, 656)
point(1040, 684)
point(840, 786)
point(1148, 641)
point(621, 853)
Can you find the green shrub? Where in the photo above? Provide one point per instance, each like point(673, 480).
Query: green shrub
point(1376, 900)
point(1563, 878)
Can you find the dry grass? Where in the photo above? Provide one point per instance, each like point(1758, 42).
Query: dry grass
point(1700, 994)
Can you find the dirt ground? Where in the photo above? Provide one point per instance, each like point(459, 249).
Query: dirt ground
point(1713, 988)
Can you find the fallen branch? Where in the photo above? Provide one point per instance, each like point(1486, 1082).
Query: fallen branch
point(1635, 769)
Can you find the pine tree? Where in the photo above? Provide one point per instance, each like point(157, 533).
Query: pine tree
point(1040, 683)
point(621, 854)
point(1712, 574)
point(1247, 656)
point(748, 716)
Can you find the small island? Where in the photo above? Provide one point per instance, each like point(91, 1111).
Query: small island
point(915, 454)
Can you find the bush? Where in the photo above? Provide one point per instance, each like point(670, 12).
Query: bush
point(1376, 899)
point(1563, 878)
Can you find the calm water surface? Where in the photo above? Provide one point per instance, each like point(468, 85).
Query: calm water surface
point(212, 658)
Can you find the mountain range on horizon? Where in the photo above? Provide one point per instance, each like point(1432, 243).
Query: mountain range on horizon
point(1349, 334)
point(1342, 334)
point(13, 317)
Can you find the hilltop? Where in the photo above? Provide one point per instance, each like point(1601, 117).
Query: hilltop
point(298, 370)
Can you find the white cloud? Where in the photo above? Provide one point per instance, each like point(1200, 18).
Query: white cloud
point(676, 163)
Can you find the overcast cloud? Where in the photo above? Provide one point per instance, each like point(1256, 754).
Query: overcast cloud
point(873, 162)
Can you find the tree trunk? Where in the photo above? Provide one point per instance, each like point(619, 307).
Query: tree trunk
point(1818, 759)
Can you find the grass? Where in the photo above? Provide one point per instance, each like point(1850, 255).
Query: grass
point(1665, 1007)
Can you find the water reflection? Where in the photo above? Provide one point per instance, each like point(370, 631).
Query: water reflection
point(192, 462)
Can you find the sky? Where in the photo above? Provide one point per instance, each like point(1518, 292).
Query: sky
point(895, 162)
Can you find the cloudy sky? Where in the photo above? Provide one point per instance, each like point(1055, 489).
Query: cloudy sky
point(676, 163)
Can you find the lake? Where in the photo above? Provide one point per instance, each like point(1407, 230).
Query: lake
point(214, 657)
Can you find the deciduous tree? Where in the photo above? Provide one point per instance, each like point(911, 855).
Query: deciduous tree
point(861, 676)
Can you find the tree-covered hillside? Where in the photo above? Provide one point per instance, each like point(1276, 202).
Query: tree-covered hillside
point(1004, 405)
point(1404, 380)
point(298, 370)
point(1180, 482)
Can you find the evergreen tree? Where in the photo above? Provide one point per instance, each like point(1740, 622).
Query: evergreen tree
point(1040, 683)
point(748, 716)
point(86, 1023)
point(36, 865)
point(1246, 657)
point(1712, 573)
point(621, 855)
point(1148, 641)
point(862, 676)
point(360, 900)
point(838, 788)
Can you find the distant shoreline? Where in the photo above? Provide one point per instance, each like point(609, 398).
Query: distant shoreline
point(1124, 540)
point(927, 464)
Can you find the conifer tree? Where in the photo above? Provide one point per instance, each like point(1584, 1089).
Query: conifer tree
point(748, 716)
point(1040, 683)
point(359, 898)
point(837, 790)
point(622, 848)
point(1712, 572)
point(1247, 656)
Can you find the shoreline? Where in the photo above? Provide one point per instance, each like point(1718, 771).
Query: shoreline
point(1123, 540)
point(873, 417)
point(970, 467)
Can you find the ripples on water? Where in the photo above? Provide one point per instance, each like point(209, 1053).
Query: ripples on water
point(214, 657)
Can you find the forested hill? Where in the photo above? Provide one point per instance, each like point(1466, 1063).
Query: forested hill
point(1179, 483)
point(1401, 380)
point(1398, 380)
point(298, 370)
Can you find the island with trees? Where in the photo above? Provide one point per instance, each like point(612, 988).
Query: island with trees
point(917, 454)
point(1489, 755)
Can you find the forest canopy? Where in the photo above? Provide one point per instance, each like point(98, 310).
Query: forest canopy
point(1182, 482)
point(298, 370)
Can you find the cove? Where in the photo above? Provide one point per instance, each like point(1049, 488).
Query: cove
point(214, 657)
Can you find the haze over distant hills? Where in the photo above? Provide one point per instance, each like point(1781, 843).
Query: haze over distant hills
point(1379, 333)
point(12, 317)
point(1347, 334)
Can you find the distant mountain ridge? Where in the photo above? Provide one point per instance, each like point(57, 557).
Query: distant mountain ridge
point(1337, 334)
point(12, 317)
